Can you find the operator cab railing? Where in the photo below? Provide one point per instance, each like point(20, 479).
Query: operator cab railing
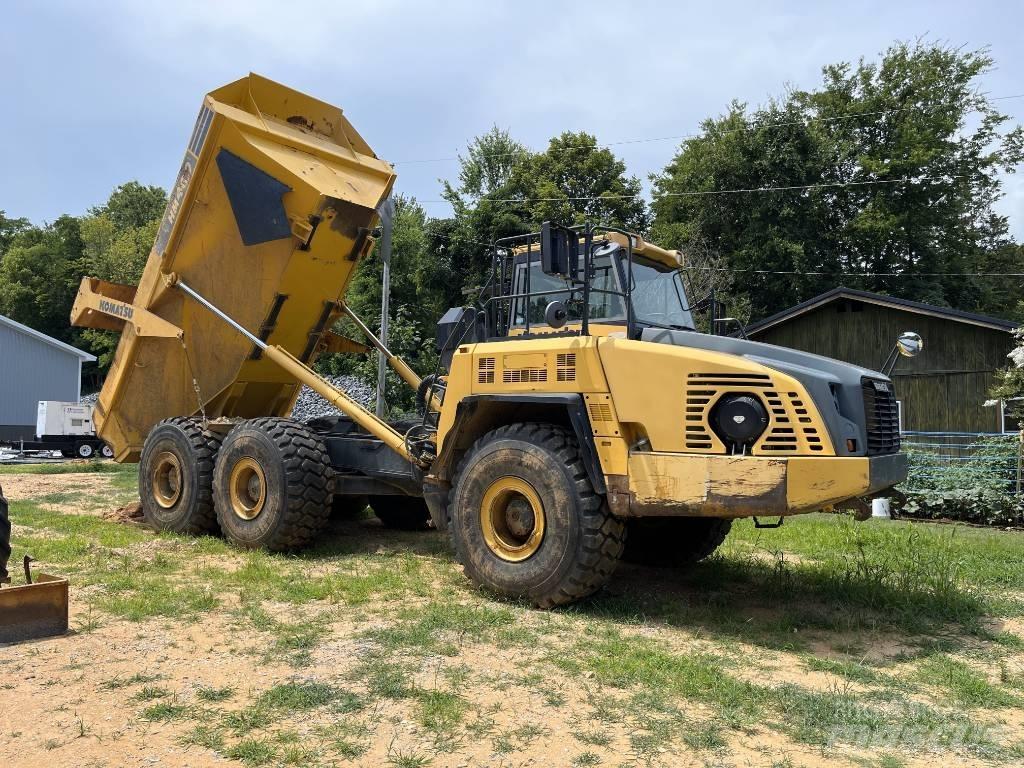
point(590, 273)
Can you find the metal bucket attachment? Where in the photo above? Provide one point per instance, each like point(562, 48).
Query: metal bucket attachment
point(31, 611)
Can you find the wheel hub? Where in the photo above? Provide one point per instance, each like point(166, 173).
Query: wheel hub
point(166, 477)
point(248, 485)
point(519, 517)
point(512, 519)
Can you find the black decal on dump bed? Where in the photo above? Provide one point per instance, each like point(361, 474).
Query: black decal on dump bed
point(255, 198)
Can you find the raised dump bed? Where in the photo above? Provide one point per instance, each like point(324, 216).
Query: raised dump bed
point(269, 217)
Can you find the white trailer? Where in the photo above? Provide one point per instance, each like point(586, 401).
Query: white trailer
point(65, 427)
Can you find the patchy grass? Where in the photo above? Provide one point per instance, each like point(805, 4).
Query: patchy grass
point(853, 671)
point(964, 684)
point(373, 640)
point(252, 752)
point(298, 696)
point(71, 467)
point(164, 711)
point(210, 694)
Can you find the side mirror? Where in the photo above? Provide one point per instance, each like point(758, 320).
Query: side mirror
point(909, 344)
point(555, 314)
point(559, 250)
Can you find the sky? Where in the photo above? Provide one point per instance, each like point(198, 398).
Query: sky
point(99, 93)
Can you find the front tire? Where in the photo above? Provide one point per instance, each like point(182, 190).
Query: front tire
point(176, 476)
point(106, 451)
point(674, 542)
point(85, 450)
point(271, 486)
point(525, 520)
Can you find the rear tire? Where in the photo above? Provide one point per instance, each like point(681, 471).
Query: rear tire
point(106, 451)
point(674, 542)
point(271, 486)
point(176, 476)
point(402, 513)
point(5, 538)
point(85, 450)
point(525, 520)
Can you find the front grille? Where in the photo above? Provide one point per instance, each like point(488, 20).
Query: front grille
point(882, 417)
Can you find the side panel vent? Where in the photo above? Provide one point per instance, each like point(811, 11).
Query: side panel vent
point(566, 366)
point(600, 412)
point(702, 390)
point(485, 370)
point(791, 430)
point(522, 375)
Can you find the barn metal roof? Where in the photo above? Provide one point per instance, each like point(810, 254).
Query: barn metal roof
point(985, 321)
point(85, 356)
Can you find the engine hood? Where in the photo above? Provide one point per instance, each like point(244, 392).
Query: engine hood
point(835, 387)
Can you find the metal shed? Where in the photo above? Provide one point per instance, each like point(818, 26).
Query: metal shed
point(34, 367)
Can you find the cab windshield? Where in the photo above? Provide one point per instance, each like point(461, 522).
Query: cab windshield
point(659, 298)
point(658, 295)
point(603, 306)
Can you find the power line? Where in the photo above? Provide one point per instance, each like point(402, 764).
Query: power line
point(705, 192)
point(680, 137)
point(908, 275)
point(791, 273)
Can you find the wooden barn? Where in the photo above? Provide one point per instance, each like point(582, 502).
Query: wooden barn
point(944, 389)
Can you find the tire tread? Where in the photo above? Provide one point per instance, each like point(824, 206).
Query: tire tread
point(307, 474)
point(603, 536)
point(205, 444)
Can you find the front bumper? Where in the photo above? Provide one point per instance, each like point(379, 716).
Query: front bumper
point(690, 485)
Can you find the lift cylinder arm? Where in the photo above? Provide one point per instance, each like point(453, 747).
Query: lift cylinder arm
point(302, 373)
point(399, 365)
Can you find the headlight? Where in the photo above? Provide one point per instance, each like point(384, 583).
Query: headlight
point(739, 420)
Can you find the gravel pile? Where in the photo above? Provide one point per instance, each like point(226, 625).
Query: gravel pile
point(311, 406)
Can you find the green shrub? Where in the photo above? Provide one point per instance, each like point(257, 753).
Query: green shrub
point(980, 490)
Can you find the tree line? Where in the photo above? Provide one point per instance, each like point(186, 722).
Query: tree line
point(883, 177)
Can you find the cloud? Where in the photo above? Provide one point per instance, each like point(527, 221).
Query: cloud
point(107, 91)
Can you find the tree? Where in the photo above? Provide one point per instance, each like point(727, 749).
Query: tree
point(506, 190)
point(1009, 384)
point(884, 168)
point(9, 230)
point(133, 205)
point(116, 239)
point(416, 304)
point(37, 277)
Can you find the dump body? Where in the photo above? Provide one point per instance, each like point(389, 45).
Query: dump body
point(269, 218)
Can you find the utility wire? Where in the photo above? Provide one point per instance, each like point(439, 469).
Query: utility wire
point(700, 193)
point(679, 137)
point(854, 274)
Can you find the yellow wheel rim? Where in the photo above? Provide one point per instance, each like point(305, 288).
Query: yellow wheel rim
point(166, 477)
point(248, 488)
point(512, 519)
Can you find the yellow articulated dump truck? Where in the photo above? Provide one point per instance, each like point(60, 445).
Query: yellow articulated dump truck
point(576, 413)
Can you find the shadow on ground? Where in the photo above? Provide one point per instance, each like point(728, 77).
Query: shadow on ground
point(755, 597)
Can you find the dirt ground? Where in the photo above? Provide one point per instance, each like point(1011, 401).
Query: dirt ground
point(406, 686)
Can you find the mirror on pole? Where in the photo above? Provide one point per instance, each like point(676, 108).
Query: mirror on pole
point(910, 344)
